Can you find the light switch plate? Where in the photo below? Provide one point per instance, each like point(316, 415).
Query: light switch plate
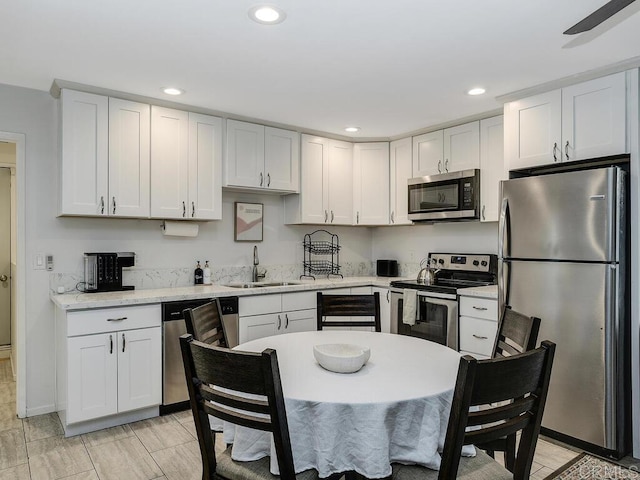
point(38, 261)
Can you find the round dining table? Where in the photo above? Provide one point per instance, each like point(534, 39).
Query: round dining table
point(394, 409)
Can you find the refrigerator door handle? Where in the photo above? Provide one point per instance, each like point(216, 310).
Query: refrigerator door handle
point(611, 333)
point(504, 214)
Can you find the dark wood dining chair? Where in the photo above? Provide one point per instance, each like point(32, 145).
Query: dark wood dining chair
point(521, 380)
point(361, 305)
point(518, 333)
point(205, 323)
point(208, 370)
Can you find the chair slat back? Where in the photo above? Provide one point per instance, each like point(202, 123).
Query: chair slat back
point(205, 324)
point(348, 306)
point(523, 381)
point(243, 388)
point(518, 333)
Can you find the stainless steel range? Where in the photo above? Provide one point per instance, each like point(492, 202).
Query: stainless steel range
point(436, 304)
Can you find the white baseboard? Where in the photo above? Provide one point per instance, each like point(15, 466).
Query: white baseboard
point(32, 412)
point(5, 351)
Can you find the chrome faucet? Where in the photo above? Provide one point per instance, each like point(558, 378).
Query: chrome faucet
point(255, 274)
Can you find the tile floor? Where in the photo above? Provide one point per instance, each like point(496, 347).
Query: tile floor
point(159, 448)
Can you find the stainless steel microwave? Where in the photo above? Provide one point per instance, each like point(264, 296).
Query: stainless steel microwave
point(446, 196)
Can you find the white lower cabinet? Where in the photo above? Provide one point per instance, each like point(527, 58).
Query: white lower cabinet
point(385, 308)
point(478, 325)
point(109, 363)
point(266, 315)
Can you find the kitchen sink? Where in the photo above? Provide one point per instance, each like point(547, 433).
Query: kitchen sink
point(262, 284)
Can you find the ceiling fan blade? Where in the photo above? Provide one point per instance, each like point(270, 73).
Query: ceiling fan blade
point(596, 18)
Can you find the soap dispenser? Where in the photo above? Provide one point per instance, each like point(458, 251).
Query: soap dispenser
point(198, 275)
point(207, 273)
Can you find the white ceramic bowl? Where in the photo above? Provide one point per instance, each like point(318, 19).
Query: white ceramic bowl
point(341, 357)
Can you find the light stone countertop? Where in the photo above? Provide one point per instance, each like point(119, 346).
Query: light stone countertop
point(488, 291)
point(83, 301)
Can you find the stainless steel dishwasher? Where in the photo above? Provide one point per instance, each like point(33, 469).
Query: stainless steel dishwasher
point(174, 387)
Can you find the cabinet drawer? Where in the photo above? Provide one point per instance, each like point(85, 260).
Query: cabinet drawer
point(477, 335)
point(486, 308)
point(298, 301)
point(259, 304)
point(102, 320)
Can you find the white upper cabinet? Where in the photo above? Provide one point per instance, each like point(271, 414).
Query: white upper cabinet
point(326, 193)
point(340, 183)
point(260, 157)
point(105, 156)
point(205, 167)
point(428, 154)
point(129, 147)
point(186, 151)
point(461, 147)
point(399, 172)
point(492, 169)
point(371, 183)
point(169, 162)
point(575, 123)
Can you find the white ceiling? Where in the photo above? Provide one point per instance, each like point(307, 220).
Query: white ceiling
point(390, 67)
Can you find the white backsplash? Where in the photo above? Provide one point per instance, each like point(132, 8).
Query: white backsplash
point(148, 278)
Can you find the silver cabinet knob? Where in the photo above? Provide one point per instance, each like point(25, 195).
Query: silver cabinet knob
point(3, 278)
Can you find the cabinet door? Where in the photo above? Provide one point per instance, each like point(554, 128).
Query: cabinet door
point(462, 147)
point(340, 182)
point(594, 118)
point(245, 155)
point(92, 380)
point(299, 321)
point(84, 165)
point(428, 152)
point(129, 158)
point(282, 159)
point(533, 130)
point(371, 183)
point(492, 169)
point(205, 167)
point(258, 326)
point(385, 308)
point(315, 177)
point(399, 172)
point(169, 162)
point(139, 368)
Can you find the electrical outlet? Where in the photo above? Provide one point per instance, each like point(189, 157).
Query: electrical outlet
point(412, 255)
point(49, 260)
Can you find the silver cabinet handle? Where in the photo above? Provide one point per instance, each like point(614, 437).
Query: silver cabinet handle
point(439, 166)
point(392, 220)
point(110, 344)
point(483, 209)
point(184, 209)
point(114, 205)
point(388, 292)
point(555, 147)
point(357, 217)
point(3, 278)
point(331, 216)
point(479, 308)
point(193, 209)
point(124, 342)
point(279, 322)
point(480, 337)
point(261, 179)
point(566, 150)
point(101, 205)
point(116, 319)
point(286, 317)
point(326, 215)
point(446, 165)
point(268, 180)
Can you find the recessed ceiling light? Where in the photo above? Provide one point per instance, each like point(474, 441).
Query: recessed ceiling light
point(173, 91)
point(267, 14)
point(352, 129)
point(476, 91)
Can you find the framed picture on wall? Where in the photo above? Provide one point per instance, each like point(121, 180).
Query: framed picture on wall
point(248, 222)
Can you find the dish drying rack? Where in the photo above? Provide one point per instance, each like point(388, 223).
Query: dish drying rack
point(321, 254)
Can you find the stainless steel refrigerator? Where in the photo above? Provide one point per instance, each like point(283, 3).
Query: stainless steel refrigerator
point(562, 239)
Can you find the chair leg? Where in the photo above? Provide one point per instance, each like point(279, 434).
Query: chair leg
point(490, 453)
point(510, 453)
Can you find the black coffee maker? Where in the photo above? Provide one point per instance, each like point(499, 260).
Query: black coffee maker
point(103, 271)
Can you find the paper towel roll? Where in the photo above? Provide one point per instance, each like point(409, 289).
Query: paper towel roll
point(179, 229)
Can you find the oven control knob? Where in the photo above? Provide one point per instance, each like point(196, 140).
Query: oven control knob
point(476, 263)
point(441, 261)
point(483, 263)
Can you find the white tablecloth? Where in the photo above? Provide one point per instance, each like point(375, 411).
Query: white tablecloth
point(395, 409)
